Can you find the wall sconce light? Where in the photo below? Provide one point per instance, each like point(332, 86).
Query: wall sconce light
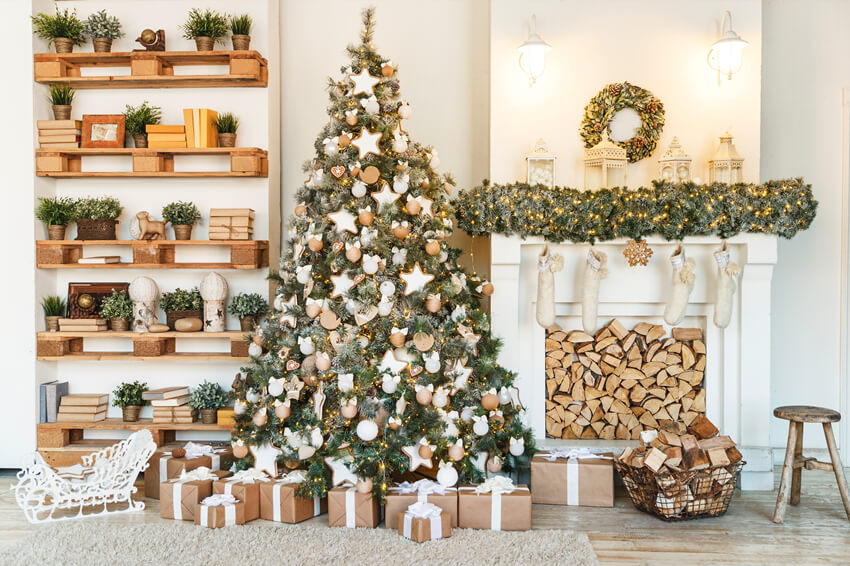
point(726, 55)
point(532, 53)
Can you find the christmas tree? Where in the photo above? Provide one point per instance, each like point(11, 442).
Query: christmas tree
point(377, 359)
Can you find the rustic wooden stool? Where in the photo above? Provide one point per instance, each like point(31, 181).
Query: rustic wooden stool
point(792, 470)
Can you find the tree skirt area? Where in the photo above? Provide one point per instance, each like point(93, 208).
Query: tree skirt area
point(91, 543)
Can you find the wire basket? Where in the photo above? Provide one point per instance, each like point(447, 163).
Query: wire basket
point(681, 496)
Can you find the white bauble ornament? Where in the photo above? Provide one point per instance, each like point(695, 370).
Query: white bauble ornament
point(401, 183)
point(390, 384)
point(517, 447)
point(435, 160)
point(345, 382)
point(459, 314)
point(405, 111)
point(305, 345)
point(370, 265)
point(255, 350)
point(302, 274)
point(367, 430)
point(387, 288)
point(371, 105)
point(252, 396)
point(239, 407)
point(400, 145)
point(494, 465)
point(444, 256)
point(440, 398)
point(432, 364)
point(481, 427)
point(351, 306)
point(447, 476)
point(399, 256)
point(358, 189)
point(385, 307)
point(275, 387)
point(504, 396)
point(331, 146)
point(466, 414)
point(316, 438)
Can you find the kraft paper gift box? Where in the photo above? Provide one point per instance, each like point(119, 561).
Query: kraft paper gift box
point(347, 507)
point(422, 521)
point(573, 477)
point(502, 507)
point(163, 466)
point(245, 487)
point(179, 496)
point(405, 494)
point(219, 511)
point(279, 500)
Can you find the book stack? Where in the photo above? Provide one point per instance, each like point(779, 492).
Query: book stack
point(82, 324)
point(100, 259)
point(231, 224)
point(170, 405)
point(162, 136)
point(59, 134)
point(82, 408)
point(50, 395)
point(200, 127)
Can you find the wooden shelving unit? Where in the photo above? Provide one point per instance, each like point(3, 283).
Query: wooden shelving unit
point(159, 346)
point(67, 163)
point(152, 69)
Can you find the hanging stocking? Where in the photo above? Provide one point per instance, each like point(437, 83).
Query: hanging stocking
point(547, 265)
point(593, 274)
point(683, 284)
point(726, 274)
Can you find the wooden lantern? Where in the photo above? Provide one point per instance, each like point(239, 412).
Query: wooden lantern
point(675, 164)
point(726, 165)
point(540, 165)
point(604, 156)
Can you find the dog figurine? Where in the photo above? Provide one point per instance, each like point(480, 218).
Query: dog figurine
point(150, 229)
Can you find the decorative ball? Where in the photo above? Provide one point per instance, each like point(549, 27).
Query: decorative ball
point(387, 70)
point(344, 140)
point(323, 362)
point(370, 175)
point(364, 485)
point(405, 111)
point(255, 349)
point(85, 300)
point(300, 209)
point(315, 244)
point(498, 418)
point(466, 414)
point(355, 171)
point(441, 399)
point(401, 231)
point(329, 320)
point(447, 476)
point(432, 247)
point(394, 425)
point(399, 145)
point(275, 388)
point(367, 430)
point(351, 119)
point(239, 451)
point(433, 304)
point(370, 266)
point(490, 401)
point(425, 451)
point(397, 339)
point(481, 427)
point(384, 307)
point(432, 365)
point(423, 341)
point(306, 451)
point(517, 449)
point(257, 339)
point(456, 452)
point(413, 207)
point(313, 310)
point(148, 36)
point(494, 465)
point(387, 288)
point(310, 379)
point(487, 289)
point(308, 364)
point(358, 189)
point(423, 396)
point(389, 385)
point(365, 218)
point(252, 396)
point(306, 346)
point(239, 408)
point(348, 411)
point(353, 254)
point(504, 396)
point(282, 411)
point(260, 418)
point(178, 452)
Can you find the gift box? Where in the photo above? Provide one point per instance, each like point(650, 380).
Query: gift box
point(497, 504)
point(424, 521)
point(279, 501)
point(405, 494)
point(179, 496)
point(245, 487)
point(573, 477)
point(347, 507)
point(217, 511)
point(163, 466)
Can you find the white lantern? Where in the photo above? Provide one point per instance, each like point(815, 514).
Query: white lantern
point(726, 164)
point(144, 293)
point(532, 53)
point(214, 292)
point(540, 165)
point(727, 53)
point(675, 164)
point(605, 156)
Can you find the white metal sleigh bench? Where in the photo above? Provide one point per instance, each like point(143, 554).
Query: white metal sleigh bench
point(104, 477)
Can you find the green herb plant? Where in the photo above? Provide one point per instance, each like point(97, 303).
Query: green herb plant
point(63, 24)
point(102, 207)
point(129, 394)
point(226, 123)
point(61, 95)
point(102, 25)
point(207, 23)
point(137, 117)
point(117, 305)
point(181, 213)
point(241, 25)
point(53, 305)
point(182, 300)
point(55, 211)
point(208, 395)
point(248, 304)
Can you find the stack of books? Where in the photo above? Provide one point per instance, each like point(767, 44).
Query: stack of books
point(200, 127)
point(162, 136)
point(82, 324)
point(50, 395)
point(59, 134)
point(82, 408)
point(170, 405)
point(231, 224)
point(100, 259)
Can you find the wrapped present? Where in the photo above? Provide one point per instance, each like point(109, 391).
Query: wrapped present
point(244, 485)
point(347, 507)
point(164, 466)
point(220, 510)
point(497, 504)
point(279, 502)
point(403, 495)
point(424, 521)
point(179, 496)
point(573, 477)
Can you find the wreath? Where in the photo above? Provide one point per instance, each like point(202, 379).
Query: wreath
point(610, 100)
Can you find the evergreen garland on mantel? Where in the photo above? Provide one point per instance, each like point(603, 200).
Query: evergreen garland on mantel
point(672, 211)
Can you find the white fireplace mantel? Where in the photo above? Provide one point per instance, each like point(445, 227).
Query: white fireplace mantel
point(737, 379)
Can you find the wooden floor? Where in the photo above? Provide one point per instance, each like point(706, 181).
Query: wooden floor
point(816, 532)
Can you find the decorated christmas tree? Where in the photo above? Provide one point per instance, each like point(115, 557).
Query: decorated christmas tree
point(377, 359)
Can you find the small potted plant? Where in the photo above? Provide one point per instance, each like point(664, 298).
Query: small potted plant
point(128, 396)
point(182, 216)
point(180, 303)
point(96, 217)
point(226, 124)
point(64, 30)
point(56, 213)
point(207, 28)
point(136, 119)
point(248, 307)
point(117, 308)
point(208, 398)
point(102, 29)
point(54, 309)
point(240, 27)
point(61, 98)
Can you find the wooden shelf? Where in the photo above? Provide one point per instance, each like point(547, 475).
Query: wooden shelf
point(151, 346)
point(152, 69)
point(148, 162)
point(151, 254)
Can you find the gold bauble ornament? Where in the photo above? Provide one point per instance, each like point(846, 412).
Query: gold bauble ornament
point(300, 209)
point(85, 300)
point(315, 244)
point(397, 339)
point(282, 411)
point(313, 310)
point(387, 71)
point(494, 465)
point(351, 119)
point(310, 379)
point(425, 451)
point(344, 140)
point(348, 411)
point(366, 218)
point(240, 451)
point(394, 426)
point(487, 289)
point(353, 254)
point(413, 207)
point(401, 232)
point(423, 397)
point(432, 247)
point(260, 418)
point(148, 36)
point(456, 452)
point(364, 485)
point(490, 401)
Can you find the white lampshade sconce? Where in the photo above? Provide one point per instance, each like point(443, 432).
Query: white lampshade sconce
point(727, 53)
point(532, 53)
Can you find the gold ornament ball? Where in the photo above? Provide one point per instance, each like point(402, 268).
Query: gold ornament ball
point(370, 175)
point(85, 300)
point(351, 119)
point(291, 464)
point(366, 218)
point(494, 465)
point(300, 209)
point(401, 232)
point(323, 363)
point(315, 244)
point(353, 254)
point(387, 71)
point(490, 401)
point(432, 247)
point(348, 411)
point(456, 452)
point(423, 397)
point(394, 426)
point(148, 36)
point(498, 418)
point(432, 304)
point(281, 412)
point(425, 451)
point(344, 140)
point(240, 451)
point(257, 339)
point(487, 289)
point(397, 339)
point(313, 310)
point(364, 485)
point(413, 207)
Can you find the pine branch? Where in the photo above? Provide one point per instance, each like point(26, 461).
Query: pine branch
point(368, 32)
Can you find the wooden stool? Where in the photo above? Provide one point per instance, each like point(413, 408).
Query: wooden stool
point(792, 470)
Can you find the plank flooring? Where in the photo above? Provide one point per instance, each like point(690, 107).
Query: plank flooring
point(815, 532)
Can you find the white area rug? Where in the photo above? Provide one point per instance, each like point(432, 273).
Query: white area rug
point(94, 543)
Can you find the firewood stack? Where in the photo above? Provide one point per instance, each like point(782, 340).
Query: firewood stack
point(618, 383)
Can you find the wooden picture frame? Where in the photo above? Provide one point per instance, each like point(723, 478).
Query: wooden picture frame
point(103, 130)
point(96, 291)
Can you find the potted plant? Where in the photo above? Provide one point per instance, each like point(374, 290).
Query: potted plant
point(64, 30)
point(226, 124)
point(117, 308)
point(207, 28)
point(136, 119)
point(96, 217)
point(128, 396)
point(208, 398)
point(248, 307)
point(54, 309)
point(182, 216)
point(61, 97)
point(56, 213)
point(240, 27)
point(102, 29)
point(180, 303)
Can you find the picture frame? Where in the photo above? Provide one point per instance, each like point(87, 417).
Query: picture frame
point(103, 130)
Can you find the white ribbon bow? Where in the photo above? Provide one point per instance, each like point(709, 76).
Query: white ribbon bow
point(419, 387)
point(295, 476)
point(423, 487)
point(346, 382)
point(249, 476)
point(396, 224)
point(366, 209)
point(422, 510)
point(198, 474)
point(496, 485)
point(517, 441)
point(396, 330)
point(349, 245)
point(219, 499)
point(570, 453)
point(197, 450)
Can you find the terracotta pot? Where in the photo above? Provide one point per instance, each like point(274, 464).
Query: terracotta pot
point(119, 324)
point(102, 44)
point(173, 316)
point(247, 323)
point(241, 42)
point(56, 232)
point(130, 413)
point(182, 231)
point(61, 111)
point(63, 45)
point(140, 140)
point(209, 416)
point(52, 323)
point(204, 43)
point(226, 140)
point(96, 228)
